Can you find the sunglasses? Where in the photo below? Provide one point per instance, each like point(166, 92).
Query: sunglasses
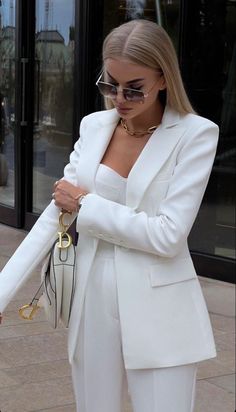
point(131, 95)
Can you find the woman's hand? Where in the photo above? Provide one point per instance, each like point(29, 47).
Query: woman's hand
point(66, 195)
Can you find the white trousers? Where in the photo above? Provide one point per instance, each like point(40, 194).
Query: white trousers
point(101, 382)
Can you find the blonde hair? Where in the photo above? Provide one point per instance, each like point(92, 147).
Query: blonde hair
point(145, 43)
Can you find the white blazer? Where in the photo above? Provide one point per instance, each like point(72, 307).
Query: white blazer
point(163, 315)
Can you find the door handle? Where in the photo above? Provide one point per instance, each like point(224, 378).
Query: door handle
point(24, 62)
point(36, 91)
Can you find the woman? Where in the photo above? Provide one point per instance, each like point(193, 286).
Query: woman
point(135, 181)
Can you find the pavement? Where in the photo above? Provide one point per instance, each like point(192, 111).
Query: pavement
point(34, 370)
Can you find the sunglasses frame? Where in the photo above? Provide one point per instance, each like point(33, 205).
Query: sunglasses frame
point(143, 95)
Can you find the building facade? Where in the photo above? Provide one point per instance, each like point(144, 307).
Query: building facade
point(50, 57)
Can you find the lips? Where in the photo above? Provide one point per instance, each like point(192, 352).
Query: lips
point(122, 109)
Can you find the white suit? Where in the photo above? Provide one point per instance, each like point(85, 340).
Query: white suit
point(164, 320)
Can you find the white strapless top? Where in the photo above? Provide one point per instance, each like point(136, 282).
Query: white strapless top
point(110, 185)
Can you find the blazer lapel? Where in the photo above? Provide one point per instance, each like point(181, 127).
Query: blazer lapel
point(101, 133)
point(153, 156)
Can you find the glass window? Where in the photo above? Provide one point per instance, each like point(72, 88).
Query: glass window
point(211, 80)
point(207, 49)
point(7, 102)
point(54, 65)
point(166, 13)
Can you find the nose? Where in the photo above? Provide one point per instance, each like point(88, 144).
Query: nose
point(120, 96)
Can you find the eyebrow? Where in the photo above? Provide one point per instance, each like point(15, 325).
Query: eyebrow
point(130, 81)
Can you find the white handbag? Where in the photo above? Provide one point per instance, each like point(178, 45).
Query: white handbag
point(56, 291)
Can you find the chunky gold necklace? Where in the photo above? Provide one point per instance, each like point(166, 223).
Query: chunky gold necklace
point(135, 133)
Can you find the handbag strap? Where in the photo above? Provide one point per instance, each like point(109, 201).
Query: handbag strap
point(64, 241)
point(28, 311)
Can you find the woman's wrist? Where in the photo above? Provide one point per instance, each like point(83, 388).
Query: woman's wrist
point(79, 198)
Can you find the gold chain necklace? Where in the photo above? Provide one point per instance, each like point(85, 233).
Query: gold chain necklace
point(137, 134)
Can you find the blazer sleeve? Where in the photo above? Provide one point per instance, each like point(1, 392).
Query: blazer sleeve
point(39, 240)
point(165, 233)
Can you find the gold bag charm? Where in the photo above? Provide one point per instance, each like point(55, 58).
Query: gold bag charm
point(32, 309)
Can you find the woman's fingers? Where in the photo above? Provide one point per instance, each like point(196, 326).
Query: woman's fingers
point(64, 200)
point(65, 195)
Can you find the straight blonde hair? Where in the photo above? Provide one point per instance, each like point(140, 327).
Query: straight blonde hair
point(147, 44)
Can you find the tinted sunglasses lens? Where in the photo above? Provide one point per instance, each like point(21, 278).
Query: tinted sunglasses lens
point(133, 95)
point(107, 89)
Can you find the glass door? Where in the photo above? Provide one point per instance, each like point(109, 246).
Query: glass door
point(36, 103)
point(53, 97)
point(7, 105)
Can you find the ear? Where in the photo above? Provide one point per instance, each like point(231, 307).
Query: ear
point(162, 84)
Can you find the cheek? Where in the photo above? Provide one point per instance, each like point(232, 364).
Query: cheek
point(148, 102)
point(152, 99)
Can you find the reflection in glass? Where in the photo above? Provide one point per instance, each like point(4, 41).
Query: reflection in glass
point(207, 46)
point(165, 13)
point(54, 51)
point(211, 76)
point(7, 101)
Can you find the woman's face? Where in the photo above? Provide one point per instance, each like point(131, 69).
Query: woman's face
point(125, 74)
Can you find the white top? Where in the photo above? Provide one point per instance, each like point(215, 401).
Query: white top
point(110, 184)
